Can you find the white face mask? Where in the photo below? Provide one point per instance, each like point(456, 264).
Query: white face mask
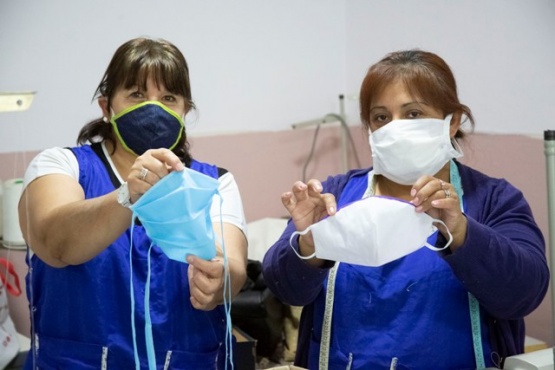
point(372, 232)
point(406, 149)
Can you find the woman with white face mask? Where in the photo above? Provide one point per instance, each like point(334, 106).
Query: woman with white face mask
point(419, 262)
point(108, 292)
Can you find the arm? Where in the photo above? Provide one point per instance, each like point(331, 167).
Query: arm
point(294, 280)
point(63, 228)
point(498, 251)
point(291, 279)
point(502, 260)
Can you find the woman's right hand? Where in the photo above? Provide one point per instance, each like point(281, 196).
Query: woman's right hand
point(149, 168)
point(307, 205)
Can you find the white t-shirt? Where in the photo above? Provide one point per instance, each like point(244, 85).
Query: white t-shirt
point(62, 161)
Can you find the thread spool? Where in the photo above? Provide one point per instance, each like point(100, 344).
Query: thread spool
point(12, 237)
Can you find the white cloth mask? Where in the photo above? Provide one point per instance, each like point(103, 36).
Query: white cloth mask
point(406, 149)
point(372, 232)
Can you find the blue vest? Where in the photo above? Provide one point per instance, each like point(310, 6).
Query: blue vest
point(413, 309)
point(82, 313)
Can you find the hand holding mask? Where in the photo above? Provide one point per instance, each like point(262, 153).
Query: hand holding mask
point(175, 213)
point(372, 232)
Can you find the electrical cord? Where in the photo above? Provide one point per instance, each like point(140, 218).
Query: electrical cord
point(349, 136)
point(311, 152)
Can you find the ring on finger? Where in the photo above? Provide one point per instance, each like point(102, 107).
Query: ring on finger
point(143, 174)
point(441, 183)
point(447, 193)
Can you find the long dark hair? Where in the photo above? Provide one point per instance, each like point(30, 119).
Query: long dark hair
point(423, 73)
point(132, 64)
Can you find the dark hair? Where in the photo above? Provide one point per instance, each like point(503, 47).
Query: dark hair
point(423, 73)
point(132, 64)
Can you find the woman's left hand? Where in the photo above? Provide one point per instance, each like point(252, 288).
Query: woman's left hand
point(206, 282)
point(439, 200)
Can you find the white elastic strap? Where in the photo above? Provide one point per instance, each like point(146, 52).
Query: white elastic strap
point(294, 250)
point(448, 242)
point(226, 296)
point(132, 293)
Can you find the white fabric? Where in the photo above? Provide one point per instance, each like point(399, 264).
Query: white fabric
point(9, 344)
point(62, 161)
point(406, 149)
point(367, 232)
point(263, 234)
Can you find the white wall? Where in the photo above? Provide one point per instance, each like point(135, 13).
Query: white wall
point(502, 53)
point(262, 65)
point(255, 65)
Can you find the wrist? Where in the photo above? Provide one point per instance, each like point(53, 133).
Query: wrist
point(459, 235)
point(305, 247)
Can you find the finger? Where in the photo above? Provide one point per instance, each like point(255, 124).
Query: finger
point(147, 170)
point(201, 303)
point(299, 191)
point(139, 180)
point(198, 298)
point(201, 283)
point(314, 188)
point(288, 201)
point(424, 189)
point(202, 289)
point(213, 268)
point(197, 282)
point(144, 175)
point(330, 203)
point(421, 182)
point(446, 197)
point(167, 157)
point(448, 190)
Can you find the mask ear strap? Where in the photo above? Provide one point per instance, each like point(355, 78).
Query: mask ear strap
point(132, 294)
point(294, 250)
point(448, 242)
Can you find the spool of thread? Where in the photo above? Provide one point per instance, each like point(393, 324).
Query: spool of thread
point(12, 190)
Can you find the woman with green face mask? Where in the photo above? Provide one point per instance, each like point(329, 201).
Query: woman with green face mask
point(101, 291)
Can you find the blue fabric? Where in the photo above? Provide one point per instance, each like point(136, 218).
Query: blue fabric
point(416, 296)
point(78, 310)
point(147, 125)
point(502, 263)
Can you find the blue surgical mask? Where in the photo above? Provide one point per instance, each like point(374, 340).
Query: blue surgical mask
point(175, 213)
point(148, 125)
